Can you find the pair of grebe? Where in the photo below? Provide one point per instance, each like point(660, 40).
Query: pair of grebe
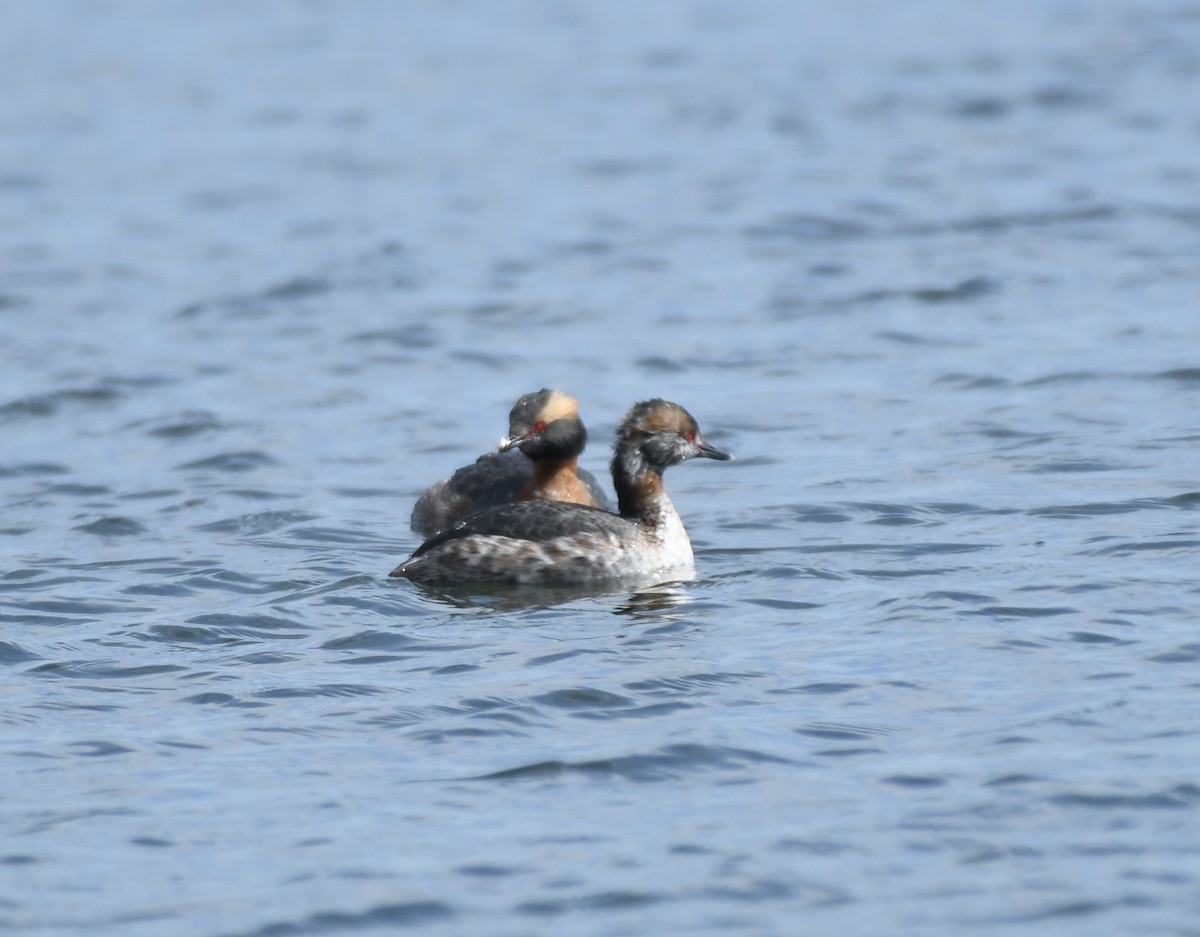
point(531, 516)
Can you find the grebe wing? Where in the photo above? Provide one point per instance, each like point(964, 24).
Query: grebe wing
point(494, 478)
point(536, 521)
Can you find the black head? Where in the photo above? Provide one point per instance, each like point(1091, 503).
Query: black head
point(662, 434)
point(546, 425)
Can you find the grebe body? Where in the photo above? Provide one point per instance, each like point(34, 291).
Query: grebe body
point(560, 543)
point(537, 460)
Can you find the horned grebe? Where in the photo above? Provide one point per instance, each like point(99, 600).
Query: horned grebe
point(549, 542)
point(537, 460)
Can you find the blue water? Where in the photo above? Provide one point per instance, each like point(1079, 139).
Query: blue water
point(928, 269)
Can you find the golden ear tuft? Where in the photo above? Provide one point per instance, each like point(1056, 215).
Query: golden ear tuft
point(666, 417)
point(559, 406)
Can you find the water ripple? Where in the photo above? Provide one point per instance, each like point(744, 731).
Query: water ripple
point(667, 763)
point(1184, 796)
point(240, 461)
point(399, 915)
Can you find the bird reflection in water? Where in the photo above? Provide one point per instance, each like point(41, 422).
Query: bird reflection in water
point(641, 599)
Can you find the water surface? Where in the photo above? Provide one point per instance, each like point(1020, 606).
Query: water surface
point(929, 271)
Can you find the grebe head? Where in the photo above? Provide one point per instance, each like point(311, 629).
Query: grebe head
point(658, 434)
point(546, 425)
